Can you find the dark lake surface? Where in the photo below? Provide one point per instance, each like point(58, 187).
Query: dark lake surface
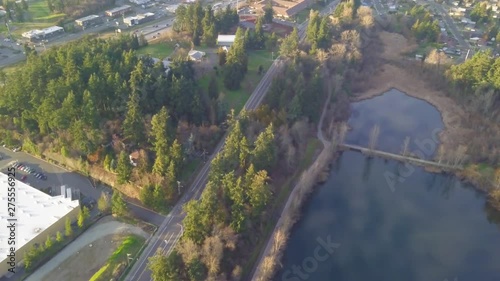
point(361, 226)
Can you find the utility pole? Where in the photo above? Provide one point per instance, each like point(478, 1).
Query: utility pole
point(179, 187)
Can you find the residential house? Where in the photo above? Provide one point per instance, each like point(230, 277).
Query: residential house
point(226, 40)
point(195, 55)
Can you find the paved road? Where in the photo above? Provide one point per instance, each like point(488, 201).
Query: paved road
point(450, 23)
point(170, 230)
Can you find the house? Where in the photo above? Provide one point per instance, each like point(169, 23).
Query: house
point(134, 157)
point(196, 55)
point(166, 63)
point(226, 40)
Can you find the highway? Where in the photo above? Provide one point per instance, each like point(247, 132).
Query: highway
point(170, 231)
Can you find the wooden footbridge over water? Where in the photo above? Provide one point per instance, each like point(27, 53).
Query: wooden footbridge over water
point(398, 157)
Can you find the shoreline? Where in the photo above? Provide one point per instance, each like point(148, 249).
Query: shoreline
point(392, 77)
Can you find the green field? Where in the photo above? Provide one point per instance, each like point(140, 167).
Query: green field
point(130, 245)
point(158, 50)
point(237, 99)
point(38, 16)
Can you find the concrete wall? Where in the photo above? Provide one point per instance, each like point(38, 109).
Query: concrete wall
point(40, 239)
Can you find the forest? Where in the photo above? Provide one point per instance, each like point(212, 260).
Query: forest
point(96, 101)
point(248, 179)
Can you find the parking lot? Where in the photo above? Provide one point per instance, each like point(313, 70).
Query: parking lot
point(55, 176)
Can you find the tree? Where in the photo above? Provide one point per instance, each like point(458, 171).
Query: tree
point(123, 168)
point(212, 252)
point(118, 205)
point(258, 192)
point(264, 153)
point(104, 204)
point(268, 12)
point(213, 91)
point(83, 216)
point(48, 243)
point(259, 33)
point(290, 45)
point(222, 56)
point(24, 4)
point(133, 127)
point(59, 237)
point(196, 270)
point(165, 268)
point(68, 228)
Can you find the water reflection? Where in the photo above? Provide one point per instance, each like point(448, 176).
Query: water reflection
point(425, 227)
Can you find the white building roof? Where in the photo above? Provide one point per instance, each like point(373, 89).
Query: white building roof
point(119, 9)
point(91, 17)
point(226, 38)
point(51, 29)
point(35, 212)
point(32, 33)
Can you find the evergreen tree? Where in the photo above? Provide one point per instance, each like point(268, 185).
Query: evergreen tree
point(48, 243)
point(107, 162)
point(83, 216)
point(59, 237)
point(268, 12)
point(124, 168)
point(118, 205)
point(290, 45)
point(258, 192)
point(259, 37)
point(133, 127)
point(68, 229)
point(264, 153)
point(104, 204)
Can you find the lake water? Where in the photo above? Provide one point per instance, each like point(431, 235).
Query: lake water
point(360, 226)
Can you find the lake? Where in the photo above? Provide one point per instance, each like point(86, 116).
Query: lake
point(361, 226)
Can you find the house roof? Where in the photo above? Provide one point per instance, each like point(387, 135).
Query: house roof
point(196, 54)
point(226, 38)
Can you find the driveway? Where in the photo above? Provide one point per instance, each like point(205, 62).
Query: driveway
point(75, 250)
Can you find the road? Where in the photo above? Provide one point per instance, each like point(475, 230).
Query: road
point(450, 23)
point(170, 230)
point(57, 176)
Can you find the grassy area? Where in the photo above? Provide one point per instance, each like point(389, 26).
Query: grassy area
point(158, 50)
point(237, 99)
point(37, 17)
point(130, 245)
point(189, 169)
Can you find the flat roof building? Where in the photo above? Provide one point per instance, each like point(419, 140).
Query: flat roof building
point(138, 19)
point(37, 215)
point(88, 20)
point(285, 9)
point(226, 40)
point(118, 11)
point(45, 33)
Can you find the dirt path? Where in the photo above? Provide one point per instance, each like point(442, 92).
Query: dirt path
point(79, 261)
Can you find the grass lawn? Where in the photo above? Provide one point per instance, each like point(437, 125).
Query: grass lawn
point(158, 50)
point(37, 17)
point(130, 245)
point(237, 99)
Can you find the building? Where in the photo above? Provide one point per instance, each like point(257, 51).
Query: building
point(139, 19)
point(119, 11)
point(172, 8)
point(38, 215)
point(140, 2)
point(284, 9)
point(226, 40)
point(88, 21)
point(46, 33)
point(196, 55)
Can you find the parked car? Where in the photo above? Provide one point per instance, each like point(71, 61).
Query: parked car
point(23, 178)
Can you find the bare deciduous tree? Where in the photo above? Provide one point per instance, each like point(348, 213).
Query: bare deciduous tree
point(212, 251)
point(188, 250)
point(374, 136)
